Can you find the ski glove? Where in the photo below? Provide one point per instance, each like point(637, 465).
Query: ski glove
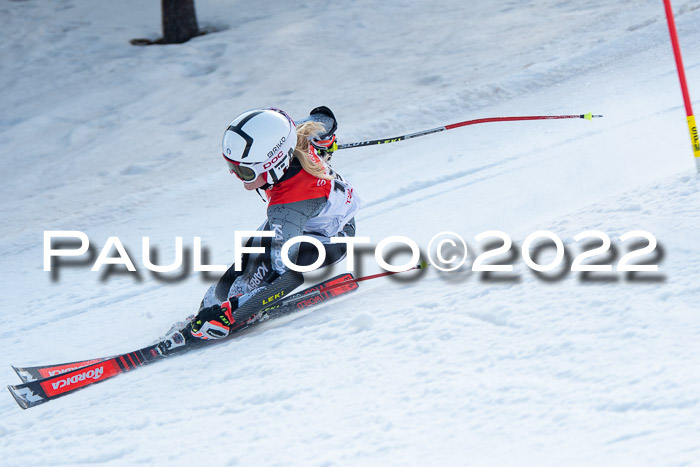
point(216, 321)
point(325, 147)
point(324, 143)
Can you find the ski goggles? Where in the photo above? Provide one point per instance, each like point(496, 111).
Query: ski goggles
point(246, 173)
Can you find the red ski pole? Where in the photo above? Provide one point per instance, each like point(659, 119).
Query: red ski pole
point(421, 265)
point(396, 139)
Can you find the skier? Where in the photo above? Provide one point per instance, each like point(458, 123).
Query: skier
point(266, 150)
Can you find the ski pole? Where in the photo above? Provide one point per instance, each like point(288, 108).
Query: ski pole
point(396, 139)
point(293, 299)
point(320, 290)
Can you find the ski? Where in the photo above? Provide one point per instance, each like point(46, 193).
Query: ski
point(42, 390)
point(44, 383)
point(33, 373)
point(302, 299)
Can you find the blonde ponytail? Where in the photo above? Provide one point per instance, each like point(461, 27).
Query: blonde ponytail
point(305, 131)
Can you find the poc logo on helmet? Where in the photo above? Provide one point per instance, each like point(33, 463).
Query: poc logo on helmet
point(269, 164)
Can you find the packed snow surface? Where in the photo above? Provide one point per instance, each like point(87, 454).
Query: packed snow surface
point(458, 368)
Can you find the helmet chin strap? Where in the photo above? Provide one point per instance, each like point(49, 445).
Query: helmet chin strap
point(264, 187)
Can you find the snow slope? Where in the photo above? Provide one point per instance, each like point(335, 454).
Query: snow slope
point(111, 139)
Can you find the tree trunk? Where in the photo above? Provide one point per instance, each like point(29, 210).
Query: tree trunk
point(179, 21)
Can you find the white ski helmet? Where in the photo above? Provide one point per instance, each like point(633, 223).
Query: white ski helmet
point(260, 141)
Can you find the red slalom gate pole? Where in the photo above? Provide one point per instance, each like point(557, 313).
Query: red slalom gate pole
point(692, 127)
point(396, 139)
